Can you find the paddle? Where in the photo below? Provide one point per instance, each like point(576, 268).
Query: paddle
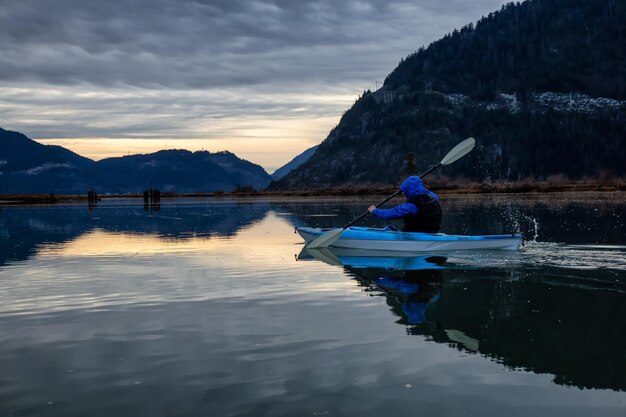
point(321, 254)
point(455, 154)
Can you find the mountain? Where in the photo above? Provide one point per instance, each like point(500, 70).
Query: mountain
point(178, 170)
point(27, 166)
point(30, 166)
point(541, 85)
point(20, 153)
point(539, 45)
point(294, 163)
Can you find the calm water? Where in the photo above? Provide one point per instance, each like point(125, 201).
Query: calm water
point(208, 307)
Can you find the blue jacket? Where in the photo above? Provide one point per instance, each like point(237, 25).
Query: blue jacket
point(410, 187)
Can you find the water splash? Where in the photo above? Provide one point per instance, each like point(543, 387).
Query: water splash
point(536, 224)
point(522, 222)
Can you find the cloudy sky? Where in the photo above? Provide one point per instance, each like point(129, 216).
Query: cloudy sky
point(265, 79)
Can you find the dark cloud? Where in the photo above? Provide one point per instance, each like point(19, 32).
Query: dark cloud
point(201, 44)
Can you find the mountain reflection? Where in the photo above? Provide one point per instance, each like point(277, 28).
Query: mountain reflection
point(567, 322)
point(26, 230)
point(523, 319)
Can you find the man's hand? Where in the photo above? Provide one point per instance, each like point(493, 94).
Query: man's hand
point(371, 208)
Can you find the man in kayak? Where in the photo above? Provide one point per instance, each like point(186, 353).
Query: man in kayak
point(420, 213)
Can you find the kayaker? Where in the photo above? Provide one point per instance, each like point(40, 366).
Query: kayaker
point(420, 213)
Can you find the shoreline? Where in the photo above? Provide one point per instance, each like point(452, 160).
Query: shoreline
point(472, 189)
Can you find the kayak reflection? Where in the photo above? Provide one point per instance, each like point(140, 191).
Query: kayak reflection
point(540, 320)
point(359, 258)
point(414, 282)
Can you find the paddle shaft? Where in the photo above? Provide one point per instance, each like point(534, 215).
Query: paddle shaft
point(431, 169)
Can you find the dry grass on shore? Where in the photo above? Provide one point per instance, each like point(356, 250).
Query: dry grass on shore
point(443, 185)
point(555, 184)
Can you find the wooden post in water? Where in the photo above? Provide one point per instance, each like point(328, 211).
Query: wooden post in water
point(151, 199)
point(92, 199)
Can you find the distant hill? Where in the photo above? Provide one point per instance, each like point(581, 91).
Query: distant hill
point(179, 171)
point(541, 85)
point(27, 166)
point(32, 167)
point(294, 163)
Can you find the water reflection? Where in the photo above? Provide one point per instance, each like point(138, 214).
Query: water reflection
point(600, 222)
point(26, 230)
point(416, 290)
point(536, 320)
point(199, 307)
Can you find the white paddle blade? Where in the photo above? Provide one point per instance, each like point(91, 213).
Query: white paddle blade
point(325, 240)
point(459, 151)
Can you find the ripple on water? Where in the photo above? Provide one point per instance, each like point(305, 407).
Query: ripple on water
point(546, 254)
point(607, 257)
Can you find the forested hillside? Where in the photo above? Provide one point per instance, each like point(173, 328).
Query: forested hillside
point(539, 45)
point(541, 85)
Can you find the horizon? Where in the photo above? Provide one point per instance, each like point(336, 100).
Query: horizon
point(265, 81)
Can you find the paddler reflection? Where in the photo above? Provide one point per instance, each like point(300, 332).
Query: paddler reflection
point(416, 290)
point(415, 281)
point(411, 285)
point(497, 312)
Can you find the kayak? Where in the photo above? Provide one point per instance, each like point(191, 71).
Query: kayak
point(391, 240)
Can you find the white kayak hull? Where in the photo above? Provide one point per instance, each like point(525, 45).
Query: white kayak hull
point(366, 238)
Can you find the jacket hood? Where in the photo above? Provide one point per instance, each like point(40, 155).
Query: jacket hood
point(413, 186)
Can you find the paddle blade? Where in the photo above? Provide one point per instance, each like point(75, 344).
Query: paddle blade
point(325, 240)
point(325, 255)
point(459, 151)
